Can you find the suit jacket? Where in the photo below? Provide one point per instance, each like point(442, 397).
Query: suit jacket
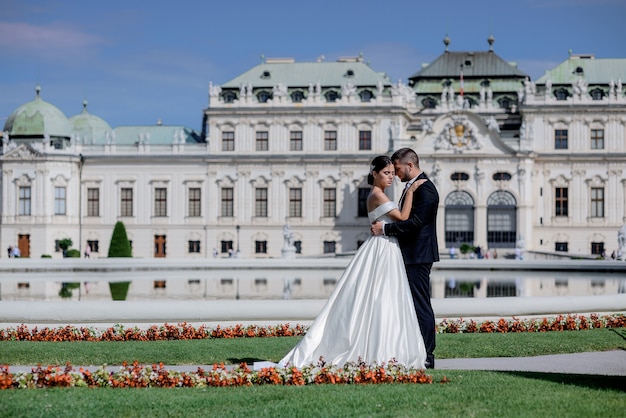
point(417, 235)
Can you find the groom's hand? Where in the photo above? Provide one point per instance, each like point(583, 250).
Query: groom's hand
point(377, 228)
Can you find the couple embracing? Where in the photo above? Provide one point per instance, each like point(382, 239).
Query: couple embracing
point(380, 309)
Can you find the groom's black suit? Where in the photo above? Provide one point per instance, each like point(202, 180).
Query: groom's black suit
point(417, 237)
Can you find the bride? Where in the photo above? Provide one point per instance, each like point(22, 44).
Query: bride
point(370, 315)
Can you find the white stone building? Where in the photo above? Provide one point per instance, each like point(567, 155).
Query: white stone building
point(537, 165)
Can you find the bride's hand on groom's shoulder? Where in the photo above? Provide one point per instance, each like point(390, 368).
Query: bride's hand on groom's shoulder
point(416, 184)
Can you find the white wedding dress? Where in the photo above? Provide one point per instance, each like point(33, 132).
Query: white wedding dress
point(370, 313)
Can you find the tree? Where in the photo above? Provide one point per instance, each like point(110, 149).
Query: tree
point(119, 247)
point(65, 244)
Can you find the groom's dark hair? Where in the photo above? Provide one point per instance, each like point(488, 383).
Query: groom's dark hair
point(405, 155)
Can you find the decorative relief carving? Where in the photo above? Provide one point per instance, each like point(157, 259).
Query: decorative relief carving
point(457, 135)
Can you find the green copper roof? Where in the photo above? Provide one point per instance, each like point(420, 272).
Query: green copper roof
point(155, 135)
point(89, 128)
point(301, 74)
point(594, 71)
point(475, 64)
point(36, 119)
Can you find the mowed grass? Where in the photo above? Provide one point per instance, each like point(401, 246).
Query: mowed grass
point(467, 394)
point(237, 350)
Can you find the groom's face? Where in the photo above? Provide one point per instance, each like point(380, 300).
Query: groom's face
point(403, 171)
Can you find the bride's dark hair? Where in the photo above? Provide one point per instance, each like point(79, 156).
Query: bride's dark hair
point(378, 164)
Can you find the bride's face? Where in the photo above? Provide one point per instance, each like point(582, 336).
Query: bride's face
point(384, 178)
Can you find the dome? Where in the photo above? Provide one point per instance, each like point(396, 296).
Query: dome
point(88, 128)
point(36, 119)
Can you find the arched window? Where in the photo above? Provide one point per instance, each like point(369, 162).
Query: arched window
point(366, 96)
point(561, 94)
point(264, 96)
point(331, 96)
point(501, 220)
point(297, 96)
point(229, 96)
point(459, 219)
point(505, 103)
point(429, 103)
point(597, 94)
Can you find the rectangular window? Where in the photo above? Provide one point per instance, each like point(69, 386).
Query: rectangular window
point(298, 245)
point(93, 201)
point(560, 139)
point(597, 248)
point(194, 246)
point(227, 202)
point(260, 247)
point(160, 201)
point(330, 141)
point(330, 203)
point(94, 246)
point(560, 201)
point(24, 208)
point(597, 139)
point(262, 141)
point(228, 141)
point(59, 200)
point(362, 204)
point(126, 202)
point(226, 247)
point(194, 201)
point(295, 203)
point(329, 247)
point(597, 202)
point(365, 140)
point(295, 141)
point(260, 202)
point(560, 246)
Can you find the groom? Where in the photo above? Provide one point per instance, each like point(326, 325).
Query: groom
point(417, 237)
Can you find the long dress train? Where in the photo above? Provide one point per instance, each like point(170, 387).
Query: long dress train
point(369, 315)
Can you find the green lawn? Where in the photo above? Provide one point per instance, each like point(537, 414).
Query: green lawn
point(467, 394)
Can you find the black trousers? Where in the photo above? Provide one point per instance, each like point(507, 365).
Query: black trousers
point(419, 282)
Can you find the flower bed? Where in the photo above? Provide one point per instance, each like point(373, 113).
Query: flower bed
point(138, 376)
point(184, 331)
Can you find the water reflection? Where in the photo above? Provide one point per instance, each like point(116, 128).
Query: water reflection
point(297, 284)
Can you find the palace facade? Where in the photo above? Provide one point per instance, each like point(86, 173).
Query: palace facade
point(285, 150)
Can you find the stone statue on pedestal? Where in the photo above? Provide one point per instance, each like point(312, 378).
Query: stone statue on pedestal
point(288, 250)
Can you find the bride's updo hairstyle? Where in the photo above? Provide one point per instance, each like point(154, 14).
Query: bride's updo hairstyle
point(378, 164)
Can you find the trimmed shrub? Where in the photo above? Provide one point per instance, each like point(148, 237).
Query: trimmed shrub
point(72, 252)
point(119, 247)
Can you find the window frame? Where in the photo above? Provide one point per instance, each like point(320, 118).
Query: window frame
point(262, 141)
point(295, 202)
point(561, 139)
point(93, 201)
point(228, 140)
point(25, 194)
point(330, 140)
point(227, 202)
point(126, 202)
point(329, 206)
point(60, 200)
point(561, 202)
point(194, 202)
point(160, 202)
point(260, 202)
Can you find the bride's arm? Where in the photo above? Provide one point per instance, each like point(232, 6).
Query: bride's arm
point(403, 215)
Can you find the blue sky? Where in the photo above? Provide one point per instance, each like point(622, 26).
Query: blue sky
point(139, 61)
